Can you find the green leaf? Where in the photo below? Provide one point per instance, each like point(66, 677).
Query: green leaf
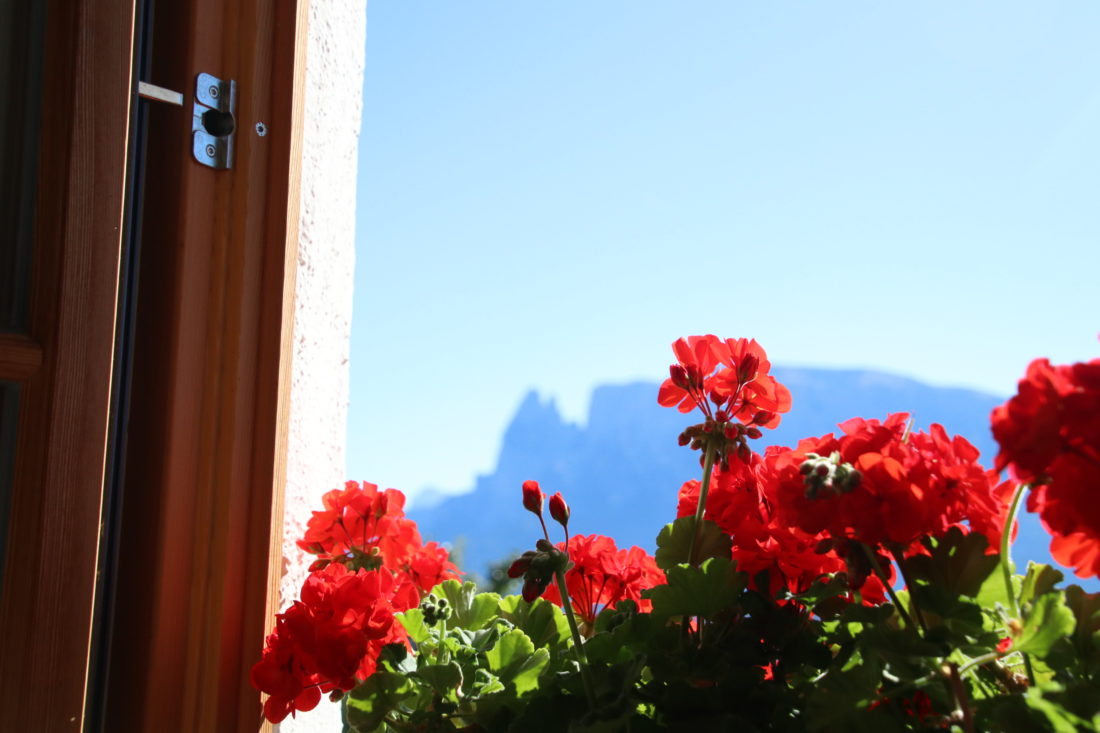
point(1040, 580)
point(470, 609)
point(397, 658)
point(516, 662)
point(443, 678)
point(957, 562)
point(1086, 633)
point(674, 542)
point(370, 703)
point(1060, 719)
point(413, 621)
point(542, 621)
point(1048, 621)
point(701, 591)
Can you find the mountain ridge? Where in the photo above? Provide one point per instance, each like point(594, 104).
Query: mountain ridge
point(621, 470)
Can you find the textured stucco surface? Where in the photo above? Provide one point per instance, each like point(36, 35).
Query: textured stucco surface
point(326, 263)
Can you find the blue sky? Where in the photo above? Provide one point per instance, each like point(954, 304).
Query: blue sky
point(551, 193)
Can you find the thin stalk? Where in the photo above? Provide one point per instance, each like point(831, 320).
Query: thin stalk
point(578, 643)
point(1006, 568)
point(979, 661)
point(877, 567)
point(704, 489)
point(962, 699)
point(900, 560)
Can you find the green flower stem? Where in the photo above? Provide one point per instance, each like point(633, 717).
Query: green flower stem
point(704, 489)
point(440, 652)
point(899, 558)
point(578, 643)
point(877, 567)
point(979, 661)
point(1006, 567)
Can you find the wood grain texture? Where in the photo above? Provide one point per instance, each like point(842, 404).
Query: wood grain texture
point(206, 453)
point(46, 609)
point(20, 357)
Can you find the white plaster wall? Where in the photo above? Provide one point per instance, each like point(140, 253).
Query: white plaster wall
point(326, 264)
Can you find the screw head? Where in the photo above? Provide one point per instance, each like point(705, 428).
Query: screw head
point(210, 150)
point(213, 90)
point(261, 129)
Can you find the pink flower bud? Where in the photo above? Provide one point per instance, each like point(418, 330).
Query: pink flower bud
point(559, 510)
point(532, 497)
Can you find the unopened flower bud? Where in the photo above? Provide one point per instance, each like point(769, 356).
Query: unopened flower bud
point(730, 432)
point(679, 376)
point(519, 567)
point(746, 370)
point(822, 469)
point(544, 545)
point(559, 510)
point(753, 432)
point(532, 589)
point(722, 416)
point(684, 439)
point(763, 417)
point(532, 497)
point(319, 564)
point(744, 453)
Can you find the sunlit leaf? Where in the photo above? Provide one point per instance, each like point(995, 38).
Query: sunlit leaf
point(697, 591)
point(516, 661)
point(674, 542)
point(1048, 621)
point(470, 609)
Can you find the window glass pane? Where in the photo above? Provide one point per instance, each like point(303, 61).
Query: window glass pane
point(9, 421)
point(21, 30)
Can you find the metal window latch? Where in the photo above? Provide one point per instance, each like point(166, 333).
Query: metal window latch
point(212, 123)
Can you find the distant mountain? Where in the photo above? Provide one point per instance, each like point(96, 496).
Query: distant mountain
point(621, 472)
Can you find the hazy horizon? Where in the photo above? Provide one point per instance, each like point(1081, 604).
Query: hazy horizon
point(550, 194)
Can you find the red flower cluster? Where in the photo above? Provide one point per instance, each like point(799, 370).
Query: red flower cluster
point(740, 502)
point(329, 640)
point(1049, 434)
point(371, 564)
point(362, 527)
point(602, 575)
point(878, 484)
point(732, 374)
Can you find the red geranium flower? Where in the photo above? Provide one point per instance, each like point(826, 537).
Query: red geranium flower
point(1049, 434)
point(732, 374)
point(740, 502)
point(363, 527)
point(879, 485)
point(328, 640)
point(602, 575)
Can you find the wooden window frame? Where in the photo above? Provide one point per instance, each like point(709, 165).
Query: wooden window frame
point(211, 377)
